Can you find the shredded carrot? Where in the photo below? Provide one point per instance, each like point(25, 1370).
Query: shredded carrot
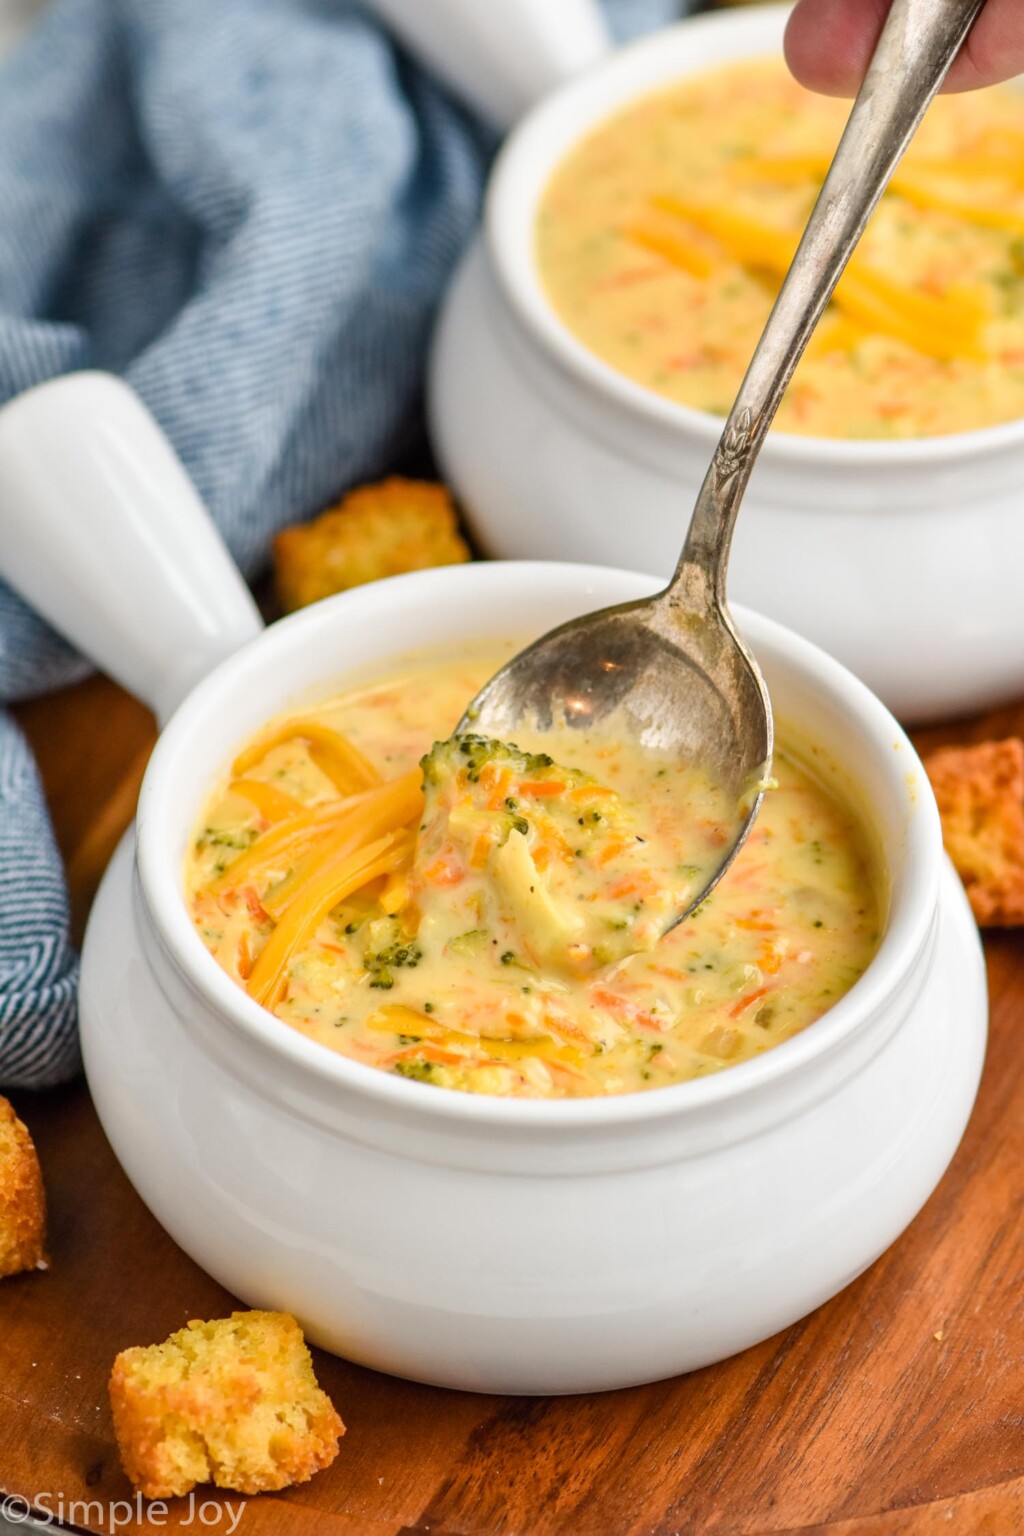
point(557, 846)
point(497, 782)
point(566, 1029)
point(444, 872)
point(769, 959)
point(254, 906)
point(746, 1002)
point(432, 1053)
point(645, 1020)
point(481, 851)
point(612, 850)
point(629, 885)
point(564, 1070)
point(624, 1009)
point(629, 277)
point(610, 1000)
point(543, 789)
point(244, 958)
point(743, 875)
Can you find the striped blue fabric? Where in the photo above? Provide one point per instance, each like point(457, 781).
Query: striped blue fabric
point(248, 209)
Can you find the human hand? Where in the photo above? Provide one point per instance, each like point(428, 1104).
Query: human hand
point(829, 43)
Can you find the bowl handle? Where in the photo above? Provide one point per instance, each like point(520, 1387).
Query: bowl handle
point(500, 56)
point(103, 533)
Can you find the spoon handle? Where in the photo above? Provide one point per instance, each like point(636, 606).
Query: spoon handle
point(918, 43)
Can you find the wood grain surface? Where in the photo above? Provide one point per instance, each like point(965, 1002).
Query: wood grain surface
point(895, 1410)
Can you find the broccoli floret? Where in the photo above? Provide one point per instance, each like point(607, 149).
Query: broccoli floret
point(393, 951)
point(381, 964)
point(466, 757)
point(471, 754)
point(419, 1071)
point(214, 837)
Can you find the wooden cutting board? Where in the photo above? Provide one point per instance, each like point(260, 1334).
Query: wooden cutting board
point(897, 1408)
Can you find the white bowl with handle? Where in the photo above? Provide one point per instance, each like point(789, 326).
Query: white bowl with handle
point(490, 1244)
point(903, 559)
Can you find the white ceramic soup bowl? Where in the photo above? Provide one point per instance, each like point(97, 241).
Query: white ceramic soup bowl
point(474, 1242)
point(902, 559)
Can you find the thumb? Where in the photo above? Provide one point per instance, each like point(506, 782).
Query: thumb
point(829, 43)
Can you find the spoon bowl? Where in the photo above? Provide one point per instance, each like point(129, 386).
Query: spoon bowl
point(649, 672)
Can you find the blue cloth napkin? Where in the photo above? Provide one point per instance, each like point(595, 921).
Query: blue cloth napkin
point(249, 209)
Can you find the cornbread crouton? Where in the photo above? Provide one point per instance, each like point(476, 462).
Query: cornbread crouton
point(980, 792)
point(232, 1402)
point(377, 530)
point(22, 1202)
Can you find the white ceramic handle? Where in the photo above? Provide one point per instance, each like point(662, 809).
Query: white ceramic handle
point(500, 56)
point(103, 533)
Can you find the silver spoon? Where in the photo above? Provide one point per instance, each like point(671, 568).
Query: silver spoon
point(672, 668)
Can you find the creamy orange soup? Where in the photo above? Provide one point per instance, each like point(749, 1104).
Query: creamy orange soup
point(663, 236)
point(492, 921)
